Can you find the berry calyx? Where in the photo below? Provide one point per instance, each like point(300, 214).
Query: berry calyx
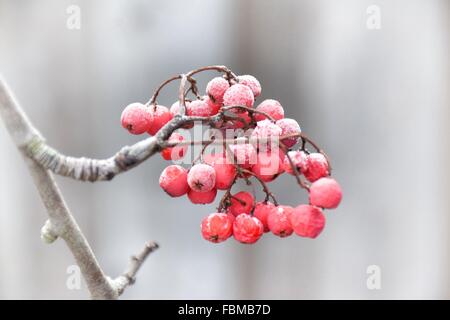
point(278, 221)
point(241, 202)
point(216, 89)
point(173, 181)
point(238, 95)
point(251, 82)
point(325, 193)
point(161, 115)
point(217, 227)
point(262, 210)
point(136, 118)
point(202, 197)
point(177, 152)
point(247, 229)
point(202, 178)
point(289, 126)
point(307, 221)
point(272, 107)
point(316, 167)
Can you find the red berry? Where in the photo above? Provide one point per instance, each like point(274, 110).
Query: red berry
point(200, 108)
point(278, 221)
point(262, 210)
point(316, 167)
point(241, 202)
point(266, 133)
point(216, 89)
point(202, 197)
point(251, 82)
point(272, 107)
point(225, 171)
point(217, 227)
point(247, 229)
point(307, 221)
point(175, 109)
point(161, 115)
point(202, 178)
point(289, 126)
point(238, 95)
point(298, 159)
point(239, 124)
point(244, 154)
point(136, 118)
point(269, 164)
point(325, 193)
point(213, 106)
point(177, 152)
point(173, 181)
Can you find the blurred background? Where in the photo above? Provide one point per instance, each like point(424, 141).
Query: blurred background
point(377, 100)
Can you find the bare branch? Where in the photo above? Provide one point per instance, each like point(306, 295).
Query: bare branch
point(136, 262)
point(61, 222)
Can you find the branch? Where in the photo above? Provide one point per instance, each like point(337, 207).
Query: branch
point(136, 261)
point(61, 222)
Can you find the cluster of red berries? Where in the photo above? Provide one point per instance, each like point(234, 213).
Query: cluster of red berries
point(240, 214)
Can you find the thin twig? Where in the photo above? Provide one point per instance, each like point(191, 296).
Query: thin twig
point(129, 276)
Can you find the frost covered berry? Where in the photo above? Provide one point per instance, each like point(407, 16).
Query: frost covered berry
point(202, 177)
point(161, 115)
point(299, 160)
point(225, 171)
point(136, 118)
point(244, 154)
point(177, 152)
point(213, 106)
point(269, 164)
point(202, 197)
point(200, 108)
point(241, 202)
point(238, 95)
point(307, 221)
point(316, 167)
point(272, 107)
point(289, 126)
point(216, 89)
point(278, 221)
point(217, 227)
point(173, 181)
point(266, 133)
point(247, 229)
point(251, 82)
point(175, 109)
point(325, 193)
point(262, 210)
point(239, 124)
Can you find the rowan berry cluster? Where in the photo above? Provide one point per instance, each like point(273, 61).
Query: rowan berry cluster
point(263, 145)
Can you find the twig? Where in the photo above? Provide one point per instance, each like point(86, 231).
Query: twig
point(129, 276)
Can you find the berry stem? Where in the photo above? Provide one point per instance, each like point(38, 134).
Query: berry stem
point(294, 169)
point(266, 190)
point(250, 110)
